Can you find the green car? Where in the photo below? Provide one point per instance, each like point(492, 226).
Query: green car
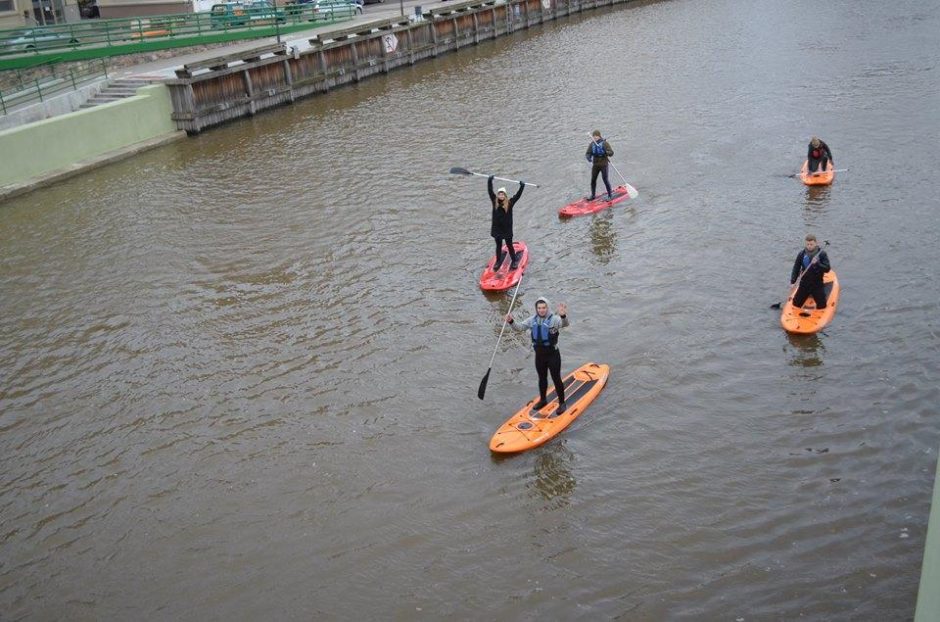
point(228, 15)
point(236, 14)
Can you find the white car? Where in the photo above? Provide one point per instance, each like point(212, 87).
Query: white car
point(338, 8)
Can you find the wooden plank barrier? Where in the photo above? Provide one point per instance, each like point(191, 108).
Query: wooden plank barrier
point(216, 90)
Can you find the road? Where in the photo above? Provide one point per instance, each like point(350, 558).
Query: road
point(164, 68)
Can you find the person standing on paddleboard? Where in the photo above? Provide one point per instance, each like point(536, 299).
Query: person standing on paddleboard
point(598, 154)
point(812, 262)
point(818, 156)
point(501, 228)
point(544, 327)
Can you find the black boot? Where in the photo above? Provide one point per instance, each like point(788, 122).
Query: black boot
point(562, 407)
point(515, 262)
point(539, 405)
point(498, 263)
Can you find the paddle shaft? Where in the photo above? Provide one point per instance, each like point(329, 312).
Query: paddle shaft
point(463, 171)
point(594, 142)
point(505, 322)
point(814, 174)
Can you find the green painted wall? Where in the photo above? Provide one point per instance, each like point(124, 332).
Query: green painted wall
point(44, 147)
point(928, 598)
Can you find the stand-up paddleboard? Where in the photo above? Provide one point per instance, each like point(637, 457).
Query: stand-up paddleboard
point(504, 278)
point(809, 319)
point(583, 206)
point(527, 428)
point(821, 179)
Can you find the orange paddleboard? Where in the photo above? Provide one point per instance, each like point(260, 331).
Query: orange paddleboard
point(821, 179)
point(809, 319)
point(527, 428)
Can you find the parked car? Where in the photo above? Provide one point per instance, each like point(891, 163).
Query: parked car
point(228, 15)
point(264, 10)
point(235, 14)
point(36, 39)
point(328, 9)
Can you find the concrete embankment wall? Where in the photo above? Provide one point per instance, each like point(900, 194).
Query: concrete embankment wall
point(928, 598)
point(238, 87)
point(39, 153)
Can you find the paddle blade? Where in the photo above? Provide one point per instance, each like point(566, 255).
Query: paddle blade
point(460, 171)
point(482, 390)
point(776, 305)
point(631, 191)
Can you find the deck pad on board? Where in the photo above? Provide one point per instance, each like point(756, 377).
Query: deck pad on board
point(504, 278)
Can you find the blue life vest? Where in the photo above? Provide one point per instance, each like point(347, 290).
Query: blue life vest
point(807, 258)
point(597, 149)
point(541, 335)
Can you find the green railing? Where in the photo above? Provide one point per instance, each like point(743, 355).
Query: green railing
point(25, 47)
point(38, 87)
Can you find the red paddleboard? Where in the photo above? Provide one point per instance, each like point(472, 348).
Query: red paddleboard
point(584, 206)
point(504, 278)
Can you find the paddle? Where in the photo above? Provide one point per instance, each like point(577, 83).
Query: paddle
point(838, 170)
point(482, 390)
point(796, 285)
point(631, 191)
point(462, 171)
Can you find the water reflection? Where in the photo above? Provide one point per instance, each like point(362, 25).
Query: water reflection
point(503, 300)
point(553, 478)
point(603, 236)
point(806, 350)
point(816, 198)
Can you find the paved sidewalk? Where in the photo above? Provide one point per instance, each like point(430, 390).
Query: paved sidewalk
point(163, 68)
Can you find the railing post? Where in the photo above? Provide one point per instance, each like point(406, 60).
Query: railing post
point(72, 76)
point(3, 103)
point(38, 88)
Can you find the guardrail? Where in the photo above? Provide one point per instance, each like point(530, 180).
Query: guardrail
point(22, 47)
point(41, 88)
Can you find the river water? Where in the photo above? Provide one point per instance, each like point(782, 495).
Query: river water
point(239, 371)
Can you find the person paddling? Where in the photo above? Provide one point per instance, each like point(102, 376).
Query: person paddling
point(811, 262)
point(818, 156)
point(544, 327)
point(598, 153)
point(501, 227)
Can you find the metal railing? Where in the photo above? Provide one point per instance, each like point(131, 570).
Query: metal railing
point(39, 88)
point(229, 18)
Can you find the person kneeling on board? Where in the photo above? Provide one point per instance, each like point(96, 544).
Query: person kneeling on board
point(544, 327)
point(818, 156)
point(598, 153)
point(810, 265)
point(501, 228)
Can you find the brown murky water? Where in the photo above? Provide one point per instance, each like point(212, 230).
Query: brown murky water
point(239, 372)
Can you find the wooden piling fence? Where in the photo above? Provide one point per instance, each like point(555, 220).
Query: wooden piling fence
point(219, 89)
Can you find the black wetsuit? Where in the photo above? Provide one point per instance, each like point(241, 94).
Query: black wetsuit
point(501, 228)
point(818, 157)
point(812, 282)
